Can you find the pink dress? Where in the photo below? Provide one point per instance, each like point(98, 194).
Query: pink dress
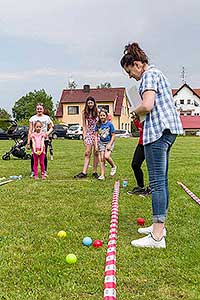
point(90, 132)
point(37, 137)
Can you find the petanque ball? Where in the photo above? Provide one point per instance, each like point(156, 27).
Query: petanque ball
point(97, 244)
point(140, 221)
point(71, 258)
point(62, 234)
point(87, 241)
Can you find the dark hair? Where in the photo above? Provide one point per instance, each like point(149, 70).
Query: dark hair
point(133, 52)
point(38, 121)
point(46, 111)
point(99, 120)
point(87, 111)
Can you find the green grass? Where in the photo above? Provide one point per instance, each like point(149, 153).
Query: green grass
point(32, 258)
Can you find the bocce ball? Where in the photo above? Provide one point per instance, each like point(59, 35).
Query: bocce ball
point(140, 221)
point(71, 258)
point(62, 234)
point(97, 244)
point(87, 241)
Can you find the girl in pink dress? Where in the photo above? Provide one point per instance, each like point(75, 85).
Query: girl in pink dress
point(38, 148)
point(89, 117)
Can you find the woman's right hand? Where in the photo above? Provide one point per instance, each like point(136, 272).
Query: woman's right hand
point(28, 146)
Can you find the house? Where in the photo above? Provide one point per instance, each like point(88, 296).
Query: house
point(72, 103)
point(187, 101)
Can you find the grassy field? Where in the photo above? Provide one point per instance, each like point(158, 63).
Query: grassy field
point(32, 257)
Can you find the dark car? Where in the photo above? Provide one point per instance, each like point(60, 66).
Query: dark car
point(59, 130)
point(3, 135)
point(19, 129)
point(14, 132)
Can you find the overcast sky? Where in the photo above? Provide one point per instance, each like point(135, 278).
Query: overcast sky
point(44, 42)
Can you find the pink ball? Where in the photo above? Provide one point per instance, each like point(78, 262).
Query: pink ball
point(97, 244)
point(140, 221)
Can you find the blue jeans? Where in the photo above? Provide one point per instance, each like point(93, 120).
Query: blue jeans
point(157, 158)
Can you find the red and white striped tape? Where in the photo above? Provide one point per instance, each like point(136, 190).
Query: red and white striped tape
point(110, 266)
point(193, 196)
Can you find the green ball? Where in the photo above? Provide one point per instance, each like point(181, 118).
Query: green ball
point(71, 258)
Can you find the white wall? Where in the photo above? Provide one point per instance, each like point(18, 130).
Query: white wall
point(186, 94)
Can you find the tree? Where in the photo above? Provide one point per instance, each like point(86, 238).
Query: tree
point(4, 114)
point(24, 108)
point(105, 85)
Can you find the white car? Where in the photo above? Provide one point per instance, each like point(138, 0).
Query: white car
point(122, 133)
point(75, 132)
point(198, 133)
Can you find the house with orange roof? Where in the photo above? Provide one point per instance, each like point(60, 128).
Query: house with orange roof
point(72, 103)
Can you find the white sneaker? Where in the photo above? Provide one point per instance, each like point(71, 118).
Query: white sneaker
point(101, 177)
point(149, 242)
point(113, 171)
point(32, 175)
point(148, 230)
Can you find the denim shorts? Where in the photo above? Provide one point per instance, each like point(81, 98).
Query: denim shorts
point(102, 146)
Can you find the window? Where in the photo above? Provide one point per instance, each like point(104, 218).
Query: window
point(73, 110)
point(104, 107)
point(181, 101)
point(188, 101)
point(122, 125)
point(125, 126)
point(123, 110)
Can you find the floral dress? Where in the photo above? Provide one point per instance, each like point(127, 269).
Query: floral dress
point(90, 130)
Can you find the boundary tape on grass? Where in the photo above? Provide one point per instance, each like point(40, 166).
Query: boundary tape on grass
point(192, 195)
point(5, 182)
point(110, 265)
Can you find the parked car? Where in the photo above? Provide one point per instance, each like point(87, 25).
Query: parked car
point(4, 135)
point(75, 132)
point(122, 133)
point(59, 130)
point(20, 129)
point(198, 133)
point(12, 132)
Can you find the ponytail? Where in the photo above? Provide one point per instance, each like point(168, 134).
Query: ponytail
point(132, 53)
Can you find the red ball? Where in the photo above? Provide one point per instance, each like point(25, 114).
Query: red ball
point(140, 221)
point(97, 244)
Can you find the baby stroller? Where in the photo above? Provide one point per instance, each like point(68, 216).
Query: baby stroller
point(18, 150)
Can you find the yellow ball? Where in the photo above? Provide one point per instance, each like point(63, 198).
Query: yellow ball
point(62, 234)
point(71, 258)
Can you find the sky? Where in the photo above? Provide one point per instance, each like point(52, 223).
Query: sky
point(44, 44)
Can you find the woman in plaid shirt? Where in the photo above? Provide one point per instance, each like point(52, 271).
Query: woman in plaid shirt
point(161, 126)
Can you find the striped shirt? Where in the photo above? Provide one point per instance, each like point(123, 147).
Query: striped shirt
point(164, 114)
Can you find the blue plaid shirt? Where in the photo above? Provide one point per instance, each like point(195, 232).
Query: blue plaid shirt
point(164, 114)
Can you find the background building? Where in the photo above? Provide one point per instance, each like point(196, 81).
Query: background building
point(187, 101)
point(72, 103)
